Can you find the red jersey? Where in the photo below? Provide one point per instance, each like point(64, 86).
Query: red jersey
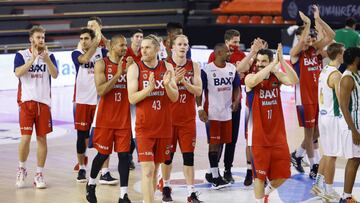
point(153, 114)
point(102, 43)
point(266, 121)
point(113, 109)
point(237, 55)
point(130, 52)
point(308, 68)
point(183, 110)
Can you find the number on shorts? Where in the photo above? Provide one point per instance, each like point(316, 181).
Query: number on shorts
point(156, 105)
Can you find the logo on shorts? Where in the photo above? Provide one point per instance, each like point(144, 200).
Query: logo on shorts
point(310, 121)
point(261, 172)
point(102, 146)
point(215, 137)
point(146, 154)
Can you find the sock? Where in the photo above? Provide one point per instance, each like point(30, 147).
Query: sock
point(123, 191)
point(346, 195)
point(92, 181)
point(104, 171)
point(208, 170)
point(166, 183)
point(319, 181)
point(311, 160)
point(215, 172)
point(268, 189)
point(317, 156)
point(299, 152)
point(260, 200)
point(39, 169)
point(190, 189)
point(22, 164)
point(248, 165)
point(82, 167)
point(329, 188)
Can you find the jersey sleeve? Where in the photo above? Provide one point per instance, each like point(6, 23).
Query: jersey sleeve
point(188, 54)
point(53, 60)
point(236, 82)
point(104, 52)
point(204, 79)
point(75, 58)
point(18, 61)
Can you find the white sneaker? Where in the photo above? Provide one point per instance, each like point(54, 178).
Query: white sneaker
point(20, 177)
point(318, 191)
point(39, 181)
point(332, 196)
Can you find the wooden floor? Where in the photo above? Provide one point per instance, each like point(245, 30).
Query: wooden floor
point(62, 187)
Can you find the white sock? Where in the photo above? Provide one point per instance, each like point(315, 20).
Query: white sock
point(215, 172)
point(319, 181)
point(123, 191)
point(166, 183)
point(260, 200)
point(329, 188)
point(248, 166)
point(92, 181)
point(346, 195)
point(299, 152)
point(208, 170)
point(104, 171)
point(268, 189)
point(190, 189)
point(39, 169)
point(311, 160)
point(82, 167)
point(317, 156)
point(22, 164)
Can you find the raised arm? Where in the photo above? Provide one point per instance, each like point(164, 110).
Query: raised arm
point(134, 94)
point(103, 86)
point(252, 80)
point(85, 58)
point(329, 34)
point(294, 52)
point(170, 84)
point(245, 64)
point(196, 86)
point(289, 77)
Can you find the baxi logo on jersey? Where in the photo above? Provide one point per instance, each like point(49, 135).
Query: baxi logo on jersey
point(37, 68)
point(159, 87)
point(222, 81)
point(89, 65)
point(121, 79)
point(269, 95)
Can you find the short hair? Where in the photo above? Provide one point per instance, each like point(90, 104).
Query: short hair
point(133, 32)
point(36, 28)
point(155, 39)
point(116, 38)
point(177, 36)
point(350, 22)
point(219, 46)
point(267, 52)
point(334, 49)
point(170, 26)
point(89, 31)
point(97, 19)
point(312, 31)
point(351, 54)
point(229, 34)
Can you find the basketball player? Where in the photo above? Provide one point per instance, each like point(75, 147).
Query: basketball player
point(267, 135)
point(33, 67)
point(152, 87)
point(308, 64)
point(95, 24)
point(329, 123)
point(112, 118)
point(183, 127)
point(349, 103)
point(221, 84)
point(133, 53)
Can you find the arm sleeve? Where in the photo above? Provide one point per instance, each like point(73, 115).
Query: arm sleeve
point(53, 60)
point(75, 58)
point(18, 61)
point(236, 82)
point(188, 54)
point(104, 52)
point(204, 79)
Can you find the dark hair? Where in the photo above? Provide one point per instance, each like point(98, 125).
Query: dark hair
point(89, 31)
point(229, 34)
point(312, 31)
point(133, 32)
point(97, 19)
point(267, 52)
point(115, 38)
point(170, 26)
point(351, 54)
point(334, 49)
point(36, 28)
point(219, 46)
point(350, 22)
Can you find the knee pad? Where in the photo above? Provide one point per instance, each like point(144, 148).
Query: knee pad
point(168, 162)
point(188, 159)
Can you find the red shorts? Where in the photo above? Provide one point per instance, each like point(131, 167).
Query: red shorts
point(84, 116)
point(272, 162)
point(153, 149)
point(219, 132)
point(186, 136)
point(32, 112)
point(308, 115)
point(105, 138)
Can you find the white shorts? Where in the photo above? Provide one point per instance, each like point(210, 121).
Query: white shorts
point(350, 150)
point(330, 136)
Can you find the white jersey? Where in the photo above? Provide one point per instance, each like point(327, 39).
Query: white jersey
point(218, 84)
point(328, 102)
point(34, 85)
point(85, 90)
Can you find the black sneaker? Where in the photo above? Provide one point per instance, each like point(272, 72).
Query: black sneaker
point(125, 199)
point(208, 177)
point(248, 178)
point(228, 177)
point(194, 198)
point(132, 165)
point(219, 183)
point(107, 179)
point(81, 178)
point(166, 193)
point(296, 162)
point(314, 171)
point(90, 193)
